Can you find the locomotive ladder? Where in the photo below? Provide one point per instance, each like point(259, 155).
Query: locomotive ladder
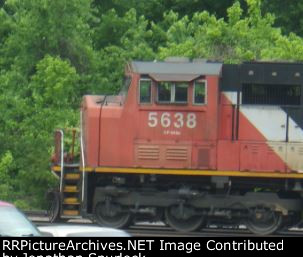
point(69, 198)
point(70, 191)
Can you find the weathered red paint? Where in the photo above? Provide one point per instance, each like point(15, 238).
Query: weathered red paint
point(118, 135)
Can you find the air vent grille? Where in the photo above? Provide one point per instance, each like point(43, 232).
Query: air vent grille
point(148, 152)
point(176, 153)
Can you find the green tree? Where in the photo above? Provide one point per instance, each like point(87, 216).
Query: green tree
point(240, 37)
point(56, 27)
point(153, 10)
point(132, 41)
point(288, 15)
point(48, 101)
point(55, 84)
point(6, 188)
point(46, 51)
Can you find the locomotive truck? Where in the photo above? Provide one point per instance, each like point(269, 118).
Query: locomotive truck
point(187, 142)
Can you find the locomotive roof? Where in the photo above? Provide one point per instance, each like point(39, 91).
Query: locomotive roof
point(177, 71)
point(275, 73)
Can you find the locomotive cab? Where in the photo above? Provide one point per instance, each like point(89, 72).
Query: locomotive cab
point(169, 118)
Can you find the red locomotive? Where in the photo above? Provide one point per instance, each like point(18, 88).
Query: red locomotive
point(188, 142)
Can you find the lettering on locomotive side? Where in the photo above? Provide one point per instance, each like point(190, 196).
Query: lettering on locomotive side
point(172, 132)
point(167, 120)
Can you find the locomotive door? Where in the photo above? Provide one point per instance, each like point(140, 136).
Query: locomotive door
point(263, 135)
point(205, 136)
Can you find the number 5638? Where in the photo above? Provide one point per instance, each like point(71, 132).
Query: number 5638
point(178, 120)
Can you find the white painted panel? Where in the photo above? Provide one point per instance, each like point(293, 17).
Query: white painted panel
point(269, 120)
point(295, 133)
point(231, 96)
point(295, 156)
point(279, 148)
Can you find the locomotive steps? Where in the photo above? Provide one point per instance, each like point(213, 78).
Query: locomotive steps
point(69, 197)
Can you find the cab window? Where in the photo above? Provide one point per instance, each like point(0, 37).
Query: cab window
point(125, 86)
point(199, 92)
point(172, 92)
point(145, 91)
point(181, 92)
point(164, 92)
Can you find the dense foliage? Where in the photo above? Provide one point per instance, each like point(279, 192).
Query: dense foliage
point(54, 51)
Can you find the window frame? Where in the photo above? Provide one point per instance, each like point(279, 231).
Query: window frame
point(151, 91)
point(173, 92)
point(194, 90)
point(127, 80)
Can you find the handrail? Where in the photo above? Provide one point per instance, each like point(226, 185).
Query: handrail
point(62, 159)
point(82, 154)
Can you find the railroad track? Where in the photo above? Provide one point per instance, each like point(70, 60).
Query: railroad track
point(161, 230)
point(152, 230)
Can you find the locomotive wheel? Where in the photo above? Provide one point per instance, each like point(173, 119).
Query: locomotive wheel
point(111, 216)
point(263, 221)
point(185, 220)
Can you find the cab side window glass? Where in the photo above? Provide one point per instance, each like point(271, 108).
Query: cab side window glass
point(181, 92)
point(200, 92)
point(172, 92)
point(164, 92)
point(145, 91)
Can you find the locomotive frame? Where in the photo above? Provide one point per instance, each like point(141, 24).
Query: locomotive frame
point(206, 142)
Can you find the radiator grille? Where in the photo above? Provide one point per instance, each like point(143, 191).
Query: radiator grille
point(176, 153)
point(148, 152)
